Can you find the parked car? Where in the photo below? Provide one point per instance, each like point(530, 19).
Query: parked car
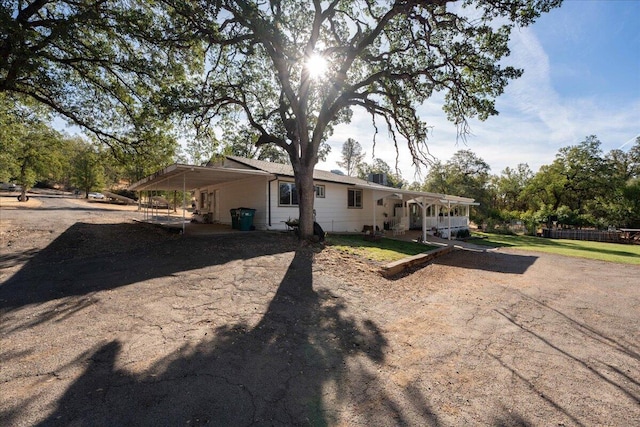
point(96, 196)
point(10, 186)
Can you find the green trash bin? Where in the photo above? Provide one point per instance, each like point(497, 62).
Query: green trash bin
point(246, 218)
point(235, 219)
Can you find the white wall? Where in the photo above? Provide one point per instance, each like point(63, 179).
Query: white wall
point(332, 212)
point(244, 193)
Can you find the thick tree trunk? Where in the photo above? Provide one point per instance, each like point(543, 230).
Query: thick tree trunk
point(306, 198)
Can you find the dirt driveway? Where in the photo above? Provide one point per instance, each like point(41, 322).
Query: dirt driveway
point(108, 322)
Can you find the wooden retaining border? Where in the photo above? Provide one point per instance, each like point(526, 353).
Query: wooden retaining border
point(400, 265)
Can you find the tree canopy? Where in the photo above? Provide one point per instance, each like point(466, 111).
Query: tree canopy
point(290, 70)
point(100, 64)
point(293, 70)
point(582, 187)
point(464, 174)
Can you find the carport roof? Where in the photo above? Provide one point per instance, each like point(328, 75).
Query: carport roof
point(179, 177)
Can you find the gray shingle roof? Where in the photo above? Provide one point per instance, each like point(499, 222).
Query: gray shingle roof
point(320, 175)
point(287, 170)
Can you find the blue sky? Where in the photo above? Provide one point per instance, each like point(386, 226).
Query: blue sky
point(581, 77)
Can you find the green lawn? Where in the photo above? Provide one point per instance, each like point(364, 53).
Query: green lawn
point(384, 250)
point(614, 252)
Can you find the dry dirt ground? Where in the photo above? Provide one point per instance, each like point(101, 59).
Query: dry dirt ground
point(108, 322)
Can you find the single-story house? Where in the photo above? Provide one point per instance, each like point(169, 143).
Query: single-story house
point(342, 204)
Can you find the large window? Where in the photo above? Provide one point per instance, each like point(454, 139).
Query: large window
point(354, 198)
point(288, 194)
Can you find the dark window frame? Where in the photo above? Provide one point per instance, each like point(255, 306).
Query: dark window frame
point(352, 201)
point(293, 194)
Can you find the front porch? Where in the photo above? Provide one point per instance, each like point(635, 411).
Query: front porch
point(431, 214)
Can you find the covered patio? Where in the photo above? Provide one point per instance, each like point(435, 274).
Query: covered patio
point(431, 213)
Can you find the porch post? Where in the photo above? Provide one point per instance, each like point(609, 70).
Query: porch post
point(424, 220)
point(449, 207)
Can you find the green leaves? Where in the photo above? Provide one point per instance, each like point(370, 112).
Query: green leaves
point(99, 64)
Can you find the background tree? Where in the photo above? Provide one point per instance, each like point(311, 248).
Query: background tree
point(464, 174)
point(618, 203)
point(88, 172)
point(436, 179)
point(509, 188)
point(31, 150)
point(352, 156)
point(584, 188)
point(292, 70)
point(239, 140)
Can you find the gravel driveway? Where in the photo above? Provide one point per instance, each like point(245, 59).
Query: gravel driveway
point(108, 322)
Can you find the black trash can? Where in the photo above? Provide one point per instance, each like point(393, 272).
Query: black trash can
point(235, 219)
point(246, 218)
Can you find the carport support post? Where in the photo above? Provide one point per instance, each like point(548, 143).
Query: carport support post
point(184, 199)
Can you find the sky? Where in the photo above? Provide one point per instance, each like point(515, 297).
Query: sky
point(581, 77)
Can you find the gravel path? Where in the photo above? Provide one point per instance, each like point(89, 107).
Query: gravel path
point(109, 322)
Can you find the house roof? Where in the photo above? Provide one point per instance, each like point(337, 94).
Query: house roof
point(280, 169)
point(287, 170)
point(189, 177)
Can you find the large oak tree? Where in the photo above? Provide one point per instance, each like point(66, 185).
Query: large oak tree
point(293, 70)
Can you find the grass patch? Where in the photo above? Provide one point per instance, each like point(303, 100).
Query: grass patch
point(384, 250)
point(613, 252)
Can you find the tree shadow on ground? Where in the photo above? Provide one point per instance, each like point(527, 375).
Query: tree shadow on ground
point(88, 258)
point(305, 351)
point(488, 261)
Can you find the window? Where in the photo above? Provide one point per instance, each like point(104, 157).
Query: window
point(380, 202)
point(288, 194)
point(319, 191)
point(354, 198)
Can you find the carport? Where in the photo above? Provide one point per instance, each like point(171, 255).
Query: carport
point(180, 177)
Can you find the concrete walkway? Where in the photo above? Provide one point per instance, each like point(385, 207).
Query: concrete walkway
point(416, 236)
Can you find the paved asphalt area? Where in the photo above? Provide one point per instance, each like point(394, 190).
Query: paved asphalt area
point(107, 322)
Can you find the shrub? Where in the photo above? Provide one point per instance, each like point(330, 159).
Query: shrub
point(463, 233)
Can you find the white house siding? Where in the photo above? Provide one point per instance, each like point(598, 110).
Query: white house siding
point(244, 193)
point(332, 212)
